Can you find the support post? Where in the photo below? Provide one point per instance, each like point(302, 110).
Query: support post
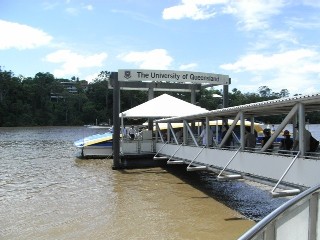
point(242, 130)
point(193, 95)
point(116, 121)
point(150, 96)
point(225, 103)
point(208, 135)
point(302, 145)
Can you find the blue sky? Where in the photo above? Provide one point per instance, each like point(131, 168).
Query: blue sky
point(272, 43)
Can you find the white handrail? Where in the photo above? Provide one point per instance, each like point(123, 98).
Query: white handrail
point(268, 223)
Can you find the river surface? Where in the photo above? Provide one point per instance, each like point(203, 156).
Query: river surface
point(46, 192)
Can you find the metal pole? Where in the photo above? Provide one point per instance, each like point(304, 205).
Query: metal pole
point(150, 96)
point(225, 103)
point(302, 127)
point(242, 130)
point(193, 95)
point(116, 121)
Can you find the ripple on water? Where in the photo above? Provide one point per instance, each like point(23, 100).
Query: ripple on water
point(43, 188)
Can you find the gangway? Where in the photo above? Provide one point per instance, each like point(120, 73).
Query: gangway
point(258, 164)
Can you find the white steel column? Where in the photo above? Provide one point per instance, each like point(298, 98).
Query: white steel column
point(242, 130)
point(207, 132)
point(302, 129)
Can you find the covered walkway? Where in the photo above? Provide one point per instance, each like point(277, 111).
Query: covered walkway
point(292, 171)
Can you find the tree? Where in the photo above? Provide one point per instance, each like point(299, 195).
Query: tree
point(284, 93)
point(27, 101)
point(264, 91)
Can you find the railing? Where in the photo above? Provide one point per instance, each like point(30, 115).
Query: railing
point(286, 192)
point(297, 219)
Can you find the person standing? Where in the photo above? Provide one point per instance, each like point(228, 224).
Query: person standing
point(179, 135)
point(267, 135)
point(203, 136)
point(132, 132)
point(286, 143)
point(249, 139)
point(306, 137)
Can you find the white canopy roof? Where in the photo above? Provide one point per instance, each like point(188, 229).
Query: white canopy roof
point(161, 107)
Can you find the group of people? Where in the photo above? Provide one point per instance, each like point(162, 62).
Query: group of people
point(131, 132)
point(288, 144)
point(203, 136)
point(250, 140)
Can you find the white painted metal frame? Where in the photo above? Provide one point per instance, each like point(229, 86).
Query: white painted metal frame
point(274, 167)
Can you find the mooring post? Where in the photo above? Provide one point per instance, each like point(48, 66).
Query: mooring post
point(116, 121)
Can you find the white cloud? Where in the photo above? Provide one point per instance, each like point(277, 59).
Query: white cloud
point(72, 11)
point(91, 77)
point(251, 14)
point(294, 59)
point(88, 7)
point(294, 70)
point(75, 11)
point(154, 59)
point(73, 62)
point(312, 3)
point(194, 9)
point(19, 36)
point(189, 66)
point(308, 22)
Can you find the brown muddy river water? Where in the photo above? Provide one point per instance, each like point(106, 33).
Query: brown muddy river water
point(46, 192)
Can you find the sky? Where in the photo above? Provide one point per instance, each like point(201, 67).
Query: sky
point(273, 43)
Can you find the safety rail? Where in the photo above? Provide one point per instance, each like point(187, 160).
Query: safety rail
point(196, 168)
point(155, 157)
point(298, 218)
point(289, 191)
point(175, 161)
point(229, 176)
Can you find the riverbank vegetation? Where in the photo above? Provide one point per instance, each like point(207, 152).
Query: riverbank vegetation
point(44, 100)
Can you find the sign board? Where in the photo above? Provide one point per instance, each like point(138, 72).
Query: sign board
point(171, 76)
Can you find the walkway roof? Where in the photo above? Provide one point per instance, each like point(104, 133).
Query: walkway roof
point(266, 108)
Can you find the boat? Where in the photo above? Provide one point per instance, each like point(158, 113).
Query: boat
point(98, 145)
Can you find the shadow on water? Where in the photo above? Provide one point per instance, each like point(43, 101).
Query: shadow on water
point(252, 202)
point(142, 171)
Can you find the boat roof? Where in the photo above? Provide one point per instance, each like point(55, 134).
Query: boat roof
point(265, 108)
point(93, 139)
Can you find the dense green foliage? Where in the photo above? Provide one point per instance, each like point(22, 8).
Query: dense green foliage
point(44, 100)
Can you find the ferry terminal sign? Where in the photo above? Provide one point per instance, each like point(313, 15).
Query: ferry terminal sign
point(171, 76)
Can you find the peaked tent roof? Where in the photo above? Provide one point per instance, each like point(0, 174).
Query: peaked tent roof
point(163, 106)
